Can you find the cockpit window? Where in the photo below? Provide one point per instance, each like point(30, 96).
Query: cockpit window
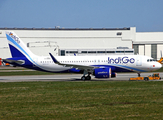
point(150, 60)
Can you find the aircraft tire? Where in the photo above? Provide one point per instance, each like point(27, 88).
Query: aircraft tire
point(83, 78)
point(88, 77)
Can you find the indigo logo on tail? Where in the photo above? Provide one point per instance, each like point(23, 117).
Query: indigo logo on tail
point(11, 33)
point(14, 37)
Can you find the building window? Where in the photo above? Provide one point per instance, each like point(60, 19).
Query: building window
point(154, 51)
point(62, 52)
point(91, 51)
point(84, 52)
point(119, 51)
point(73, 51)
point(110, 51)
point(136, 49)
point(119, 33)
point(129, 51)
point(100, 51)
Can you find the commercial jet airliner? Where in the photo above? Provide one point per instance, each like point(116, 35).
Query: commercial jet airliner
point(99, 66)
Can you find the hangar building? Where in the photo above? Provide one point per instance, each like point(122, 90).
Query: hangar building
point(91, 41)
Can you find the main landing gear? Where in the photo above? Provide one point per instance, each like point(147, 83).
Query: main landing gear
point(88, 77)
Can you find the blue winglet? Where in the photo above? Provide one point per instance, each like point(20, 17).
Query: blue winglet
point(53, 58)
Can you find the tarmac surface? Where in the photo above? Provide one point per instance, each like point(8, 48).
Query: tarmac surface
point(69, 77)
point(63, 77)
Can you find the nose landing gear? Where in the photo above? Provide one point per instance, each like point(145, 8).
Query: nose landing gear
point(138, 74)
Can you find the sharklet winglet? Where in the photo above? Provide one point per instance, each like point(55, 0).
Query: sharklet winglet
point(54, 59)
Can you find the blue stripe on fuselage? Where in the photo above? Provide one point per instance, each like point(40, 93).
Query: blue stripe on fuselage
point(127, 67)
point(120, 68)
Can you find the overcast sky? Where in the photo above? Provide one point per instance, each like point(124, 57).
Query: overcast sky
point(145, 15)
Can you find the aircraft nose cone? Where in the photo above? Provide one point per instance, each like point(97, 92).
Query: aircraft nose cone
point(155, 66)
point(158, 66)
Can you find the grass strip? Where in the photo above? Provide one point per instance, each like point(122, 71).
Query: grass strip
point(81, 100)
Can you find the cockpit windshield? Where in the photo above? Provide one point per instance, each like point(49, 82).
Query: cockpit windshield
point(151, 60)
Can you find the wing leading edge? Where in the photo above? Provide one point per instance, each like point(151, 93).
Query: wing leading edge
point(81, 67)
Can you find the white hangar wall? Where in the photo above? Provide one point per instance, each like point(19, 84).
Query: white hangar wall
point(43, 41)
point(149, 43)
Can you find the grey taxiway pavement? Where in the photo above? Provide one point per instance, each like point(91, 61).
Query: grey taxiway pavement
point(69, 77)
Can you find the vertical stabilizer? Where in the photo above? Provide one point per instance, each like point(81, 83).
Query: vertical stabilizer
point(17, 47)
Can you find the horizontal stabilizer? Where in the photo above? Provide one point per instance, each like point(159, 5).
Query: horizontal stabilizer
point(13, 61)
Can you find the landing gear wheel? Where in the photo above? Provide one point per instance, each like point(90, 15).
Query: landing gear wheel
point(83, 78)
point(88, 77)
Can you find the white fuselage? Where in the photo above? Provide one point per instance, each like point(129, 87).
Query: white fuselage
point(117, 62)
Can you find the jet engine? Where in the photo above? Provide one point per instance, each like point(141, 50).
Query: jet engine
point(104, 73)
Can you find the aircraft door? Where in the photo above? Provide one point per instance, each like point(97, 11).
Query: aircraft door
point(138, 61)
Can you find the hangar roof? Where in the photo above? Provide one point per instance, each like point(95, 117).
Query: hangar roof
point(64, 28)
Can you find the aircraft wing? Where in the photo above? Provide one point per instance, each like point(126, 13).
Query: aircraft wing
point(81, 67)
point(13, 61)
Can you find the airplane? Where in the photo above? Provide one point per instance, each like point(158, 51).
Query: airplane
point(99, 66)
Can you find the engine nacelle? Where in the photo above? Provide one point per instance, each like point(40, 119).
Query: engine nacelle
point(102, 73)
